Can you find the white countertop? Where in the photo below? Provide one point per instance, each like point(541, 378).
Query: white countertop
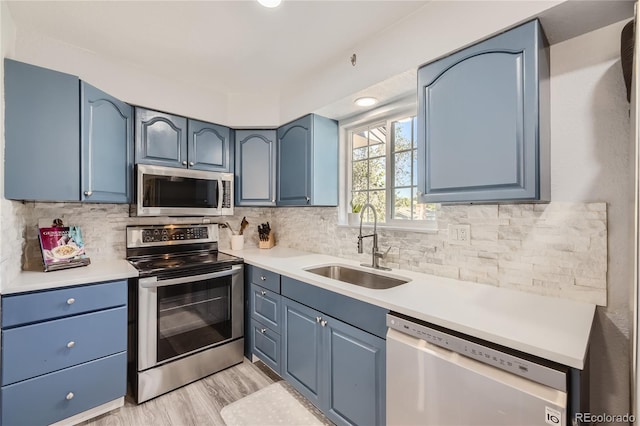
point(97, 271)
point(551, 328)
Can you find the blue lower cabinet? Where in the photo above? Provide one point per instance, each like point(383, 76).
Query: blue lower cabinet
point(65, 393)
point(337, 366)
point(41, 348)
point(302, 349)
point(356, 379)
point(50, 304)
point(266, 345)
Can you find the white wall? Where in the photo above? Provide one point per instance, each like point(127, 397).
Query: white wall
point(592, 160)
point(122, 80)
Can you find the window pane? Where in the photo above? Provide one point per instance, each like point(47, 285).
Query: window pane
point(359, 177)
point(402, 134)
point(359, 139)
point(360, 153)
point(422, 211)
point(377, 150)
point(414, 155)
point(378, 200)
point(377, 135)
point(377, 173)
point(358, 199)
point(402, 203)
point(403, 169)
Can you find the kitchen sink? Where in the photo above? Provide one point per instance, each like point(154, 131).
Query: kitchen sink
point(357, 277)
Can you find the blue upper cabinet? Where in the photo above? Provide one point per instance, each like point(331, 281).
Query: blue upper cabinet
point(65, 140)
point(308, 162)
point(483, 121)
point(161, 138)
point(255, 167)
point(106, 147)
point(171, 140)
point(42, 134)
point(209, 147)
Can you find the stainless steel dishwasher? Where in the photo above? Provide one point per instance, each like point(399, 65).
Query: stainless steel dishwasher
point(439, 377)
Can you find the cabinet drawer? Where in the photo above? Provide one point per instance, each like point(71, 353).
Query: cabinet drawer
point(43, 400)
point(266, 345)
point(50, 304)
point(36, 349)
point(263, 278)
point(265, 307)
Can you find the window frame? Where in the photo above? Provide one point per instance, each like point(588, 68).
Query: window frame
point(384, 115)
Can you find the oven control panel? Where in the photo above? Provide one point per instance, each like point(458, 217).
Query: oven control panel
point(175, 234)
point(142, 236)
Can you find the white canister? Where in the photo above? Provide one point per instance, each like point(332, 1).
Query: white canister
point(237, 242)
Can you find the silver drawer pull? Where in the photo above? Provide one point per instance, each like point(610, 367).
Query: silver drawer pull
point(263, 278)
point(71, 301)
point(70, 396)
point(263, 293)
point(323, 323)
point(71, 344)
point(318, 319)
point(191, 163)
point(263, 330)
point(88, 193)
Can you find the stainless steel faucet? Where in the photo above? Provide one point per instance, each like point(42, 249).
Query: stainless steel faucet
point(375, 254)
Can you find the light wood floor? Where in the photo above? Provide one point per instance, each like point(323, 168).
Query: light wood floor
point(198, 403)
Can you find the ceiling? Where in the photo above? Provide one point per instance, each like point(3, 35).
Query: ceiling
point(227, 46)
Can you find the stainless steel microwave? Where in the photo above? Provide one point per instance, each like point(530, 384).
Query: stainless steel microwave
point(169, 191)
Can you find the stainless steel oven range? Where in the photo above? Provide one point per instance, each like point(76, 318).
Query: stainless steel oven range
point(186, 307)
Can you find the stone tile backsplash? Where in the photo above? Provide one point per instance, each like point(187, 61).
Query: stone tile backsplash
point(556, 249)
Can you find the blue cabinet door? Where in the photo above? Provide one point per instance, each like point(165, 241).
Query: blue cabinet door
point(308, 162)
point(106, 147)
point(209, 147)
point(42, 134)
point(294, 163)
point(161, 138)
point(302, 350)
point(355, 362)
point(255, 170)
point(483, 121)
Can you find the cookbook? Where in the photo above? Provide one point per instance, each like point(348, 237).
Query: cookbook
point(62, 247)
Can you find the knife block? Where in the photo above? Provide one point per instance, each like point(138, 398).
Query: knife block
point(271, 242)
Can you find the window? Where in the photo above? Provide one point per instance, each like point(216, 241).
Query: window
point(383, 171)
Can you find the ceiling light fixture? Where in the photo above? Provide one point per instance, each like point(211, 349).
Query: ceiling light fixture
point(366, 101)
point(270, 3)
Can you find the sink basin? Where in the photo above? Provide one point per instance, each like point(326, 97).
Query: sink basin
point(357, 277)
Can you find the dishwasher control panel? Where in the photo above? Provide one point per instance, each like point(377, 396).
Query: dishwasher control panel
point(487, 355)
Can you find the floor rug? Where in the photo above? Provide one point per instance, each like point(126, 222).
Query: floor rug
point(273, 405)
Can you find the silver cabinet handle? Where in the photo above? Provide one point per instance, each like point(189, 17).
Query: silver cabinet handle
point(263, 330)
point(191, 163)
point(70, 396)
point(307, 198)
point(184, 163)
point(318, 319)
point(263, 293)
point(88, 193)
point(263, 278)
point(323, 323)
point(71, 301)
point(71, 344)
point(273, 200)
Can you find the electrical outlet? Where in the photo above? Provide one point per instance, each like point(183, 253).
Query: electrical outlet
point(460, 234)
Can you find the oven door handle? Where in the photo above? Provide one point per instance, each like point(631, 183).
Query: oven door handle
point(152, 282)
